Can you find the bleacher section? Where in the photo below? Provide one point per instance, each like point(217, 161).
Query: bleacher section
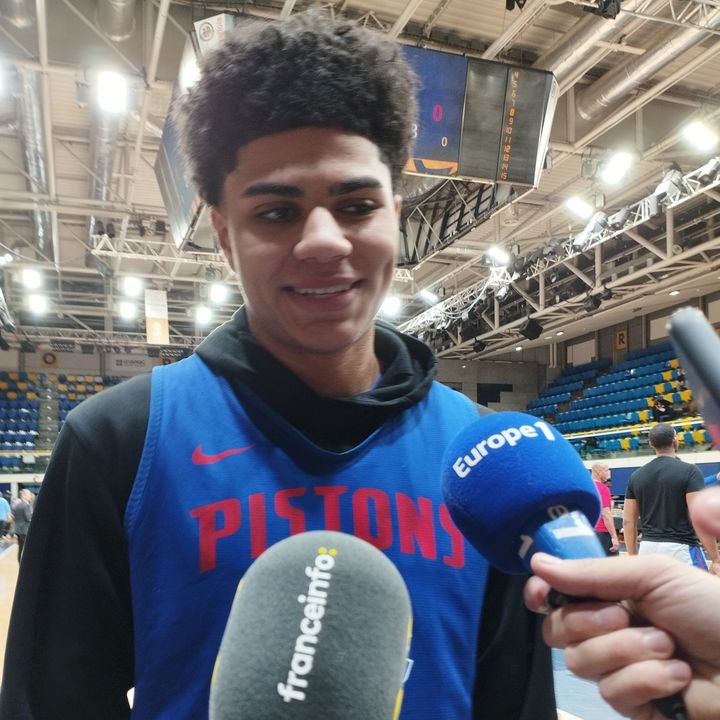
point(609, 406)
point(33, 407)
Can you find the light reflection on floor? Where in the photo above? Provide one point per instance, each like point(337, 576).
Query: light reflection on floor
point(578, 699)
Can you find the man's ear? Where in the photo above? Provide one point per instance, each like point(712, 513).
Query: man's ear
point(397, 200)
point(220, 226)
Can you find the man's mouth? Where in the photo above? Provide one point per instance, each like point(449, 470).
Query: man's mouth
point(325, 291)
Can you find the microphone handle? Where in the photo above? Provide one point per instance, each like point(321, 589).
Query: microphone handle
point(672, 707)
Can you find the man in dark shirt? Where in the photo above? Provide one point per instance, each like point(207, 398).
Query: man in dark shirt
point(660, 493)
point(300, 413)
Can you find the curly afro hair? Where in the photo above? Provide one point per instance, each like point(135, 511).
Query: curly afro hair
point(308, 71)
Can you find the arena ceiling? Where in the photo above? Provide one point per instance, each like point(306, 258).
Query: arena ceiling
point(631, 83)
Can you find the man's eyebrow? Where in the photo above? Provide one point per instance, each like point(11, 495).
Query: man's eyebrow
point(360, 183)
point(268, 188)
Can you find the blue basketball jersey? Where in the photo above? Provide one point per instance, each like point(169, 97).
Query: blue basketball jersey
point(215, 488)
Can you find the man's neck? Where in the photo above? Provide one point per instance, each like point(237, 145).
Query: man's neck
point(665, 453)
point(335, 374)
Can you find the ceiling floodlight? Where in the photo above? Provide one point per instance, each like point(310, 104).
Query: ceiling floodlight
point(31, 278)
point(203, 315)
point(429, 297)
point(391, 306)
point(497, 256)
point(37, 304)
point(132, 286)
point(579, 207)
point(127, 310)
point(700, 135)
point(218, 293)
point(112, 91)
point(502, 291)
point(615, 169)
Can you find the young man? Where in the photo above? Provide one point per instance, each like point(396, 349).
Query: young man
point(298, 414)
point(660, 494)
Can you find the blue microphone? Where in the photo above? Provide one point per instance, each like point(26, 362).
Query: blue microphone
point(514, 486)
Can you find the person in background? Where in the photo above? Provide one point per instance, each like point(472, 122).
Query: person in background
point(5, 517)
point(22, 514)
point(669, 642)
point(605, 525)
point(300, 413)
point(660, 493)
point(662, 409)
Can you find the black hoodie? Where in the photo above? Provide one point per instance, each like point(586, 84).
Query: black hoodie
point(70, 644)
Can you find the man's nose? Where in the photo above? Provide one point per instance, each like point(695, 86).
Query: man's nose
point(322, 238)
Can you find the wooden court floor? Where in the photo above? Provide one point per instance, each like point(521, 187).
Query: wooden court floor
point(8, 578)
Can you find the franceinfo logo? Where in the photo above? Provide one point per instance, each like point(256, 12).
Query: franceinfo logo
point(313, 603)
point(511, 436)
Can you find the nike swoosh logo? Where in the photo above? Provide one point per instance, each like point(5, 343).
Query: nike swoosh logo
point(200, 458)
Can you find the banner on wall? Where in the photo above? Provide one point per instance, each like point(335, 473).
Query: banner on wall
point(49, 359)
point(621, 339)
point(119, 363)
point(156, 317)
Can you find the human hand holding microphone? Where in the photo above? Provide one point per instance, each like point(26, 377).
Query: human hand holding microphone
point(520, 494)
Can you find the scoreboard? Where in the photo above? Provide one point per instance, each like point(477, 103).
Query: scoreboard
point(480, 119)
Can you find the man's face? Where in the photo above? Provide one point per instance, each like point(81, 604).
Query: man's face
point(309, 222)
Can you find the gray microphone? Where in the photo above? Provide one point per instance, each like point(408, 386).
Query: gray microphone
point(319, 628)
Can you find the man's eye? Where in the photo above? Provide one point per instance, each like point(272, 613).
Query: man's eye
point(283, 213)
point(364, 207)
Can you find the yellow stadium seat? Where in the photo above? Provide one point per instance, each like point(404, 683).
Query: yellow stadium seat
point(71, 378)
point(685, 395)
point(14, 376)
point(32, 395)
point(3, 385)
point(32, 376)
point(12, 395)
point(644, 415)
point(625, 443)
point(71, 396)
point(99, 387)
point(650, 401)
point(699, 437)
point(22, 386)
point(667, 375)
point(52, 378)
point(62, 387)
point(80, 388)
point(674, 363)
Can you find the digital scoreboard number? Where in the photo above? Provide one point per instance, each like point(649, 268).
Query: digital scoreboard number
point(436, 148)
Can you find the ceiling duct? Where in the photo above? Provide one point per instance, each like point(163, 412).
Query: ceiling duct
point(615, 86)
point(33, 142)
point(116, 18)
point(18, 12)
point(584, 37)
point(103, 144)
point(581, 42)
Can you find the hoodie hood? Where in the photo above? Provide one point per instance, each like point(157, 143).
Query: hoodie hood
point(337, 423)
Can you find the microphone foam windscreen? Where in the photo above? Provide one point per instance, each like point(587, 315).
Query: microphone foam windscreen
point(319, 628)
point(505, 469)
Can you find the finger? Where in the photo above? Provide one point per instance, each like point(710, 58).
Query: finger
point(575, 623)
point(605, 654)
point(606, 578)
point(535, 593)
point(630, 690)
point(705, 512)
